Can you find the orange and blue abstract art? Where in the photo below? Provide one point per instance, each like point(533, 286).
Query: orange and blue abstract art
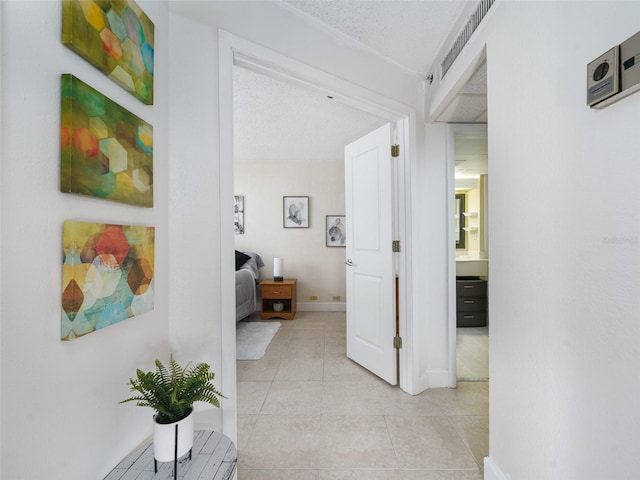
point(105, 150)
point(116, 37)
point(107, 275)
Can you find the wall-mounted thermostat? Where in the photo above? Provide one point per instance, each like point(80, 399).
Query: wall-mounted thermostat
point(630, 63)
point(614, 75)
point(602, 77)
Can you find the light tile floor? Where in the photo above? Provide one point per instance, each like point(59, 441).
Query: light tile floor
point(306, 412)
point(472, 354)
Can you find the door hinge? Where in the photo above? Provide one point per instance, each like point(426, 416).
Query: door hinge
point(397, 342)
point(395, 150)
point(395, 246)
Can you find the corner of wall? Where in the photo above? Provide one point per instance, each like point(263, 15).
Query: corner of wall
point(492, 471)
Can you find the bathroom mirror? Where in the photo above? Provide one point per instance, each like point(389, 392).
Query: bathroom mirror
point(460, 236)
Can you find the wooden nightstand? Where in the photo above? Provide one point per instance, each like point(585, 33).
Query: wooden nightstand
point(274, 292)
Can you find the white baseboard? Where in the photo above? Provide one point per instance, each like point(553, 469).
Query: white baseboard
point(438, 378)
point(492, 470)
point(321, 306)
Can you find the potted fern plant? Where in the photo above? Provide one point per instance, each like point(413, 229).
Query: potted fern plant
point(171, 391)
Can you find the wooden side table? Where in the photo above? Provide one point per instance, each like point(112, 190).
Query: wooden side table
point(278, 292)
point(214, 456)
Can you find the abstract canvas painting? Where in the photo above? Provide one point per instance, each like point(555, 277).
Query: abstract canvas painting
point(107, 275)
point(105, 150)
point(114, 36)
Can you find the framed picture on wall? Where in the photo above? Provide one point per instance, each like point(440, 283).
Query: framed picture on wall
point(295, 212)
point(336, 231)
point(238, 214)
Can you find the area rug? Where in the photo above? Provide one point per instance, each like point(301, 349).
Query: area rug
point(253, 338)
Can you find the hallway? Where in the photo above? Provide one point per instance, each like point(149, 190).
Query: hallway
point(306, 412)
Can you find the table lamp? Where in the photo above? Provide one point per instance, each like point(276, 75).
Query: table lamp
point(278, 269)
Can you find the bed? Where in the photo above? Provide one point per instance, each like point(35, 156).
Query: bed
point(248, 265)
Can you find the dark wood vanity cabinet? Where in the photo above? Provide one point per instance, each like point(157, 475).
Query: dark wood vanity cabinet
point(471, 302)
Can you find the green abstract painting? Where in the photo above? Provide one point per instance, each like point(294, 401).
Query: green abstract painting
point(105, 150)
point(116, 37)
point(107, 275)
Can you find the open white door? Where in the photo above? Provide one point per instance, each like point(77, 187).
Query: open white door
point(369, 197)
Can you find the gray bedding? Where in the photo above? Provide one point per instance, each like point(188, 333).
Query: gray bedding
point(247, 277)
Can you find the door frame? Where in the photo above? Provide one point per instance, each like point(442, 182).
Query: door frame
point(237, 51)
point(454, 129)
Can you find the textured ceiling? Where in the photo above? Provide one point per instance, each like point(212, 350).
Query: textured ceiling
point(470, 104)
point(471, 157)
point(407, 32)
point(274, 120)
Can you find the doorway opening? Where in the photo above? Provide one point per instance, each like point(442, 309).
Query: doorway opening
point(471, 182)
point(237, 52)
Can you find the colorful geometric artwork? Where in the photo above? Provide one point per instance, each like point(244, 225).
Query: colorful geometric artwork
point(107, 275)
point(105, 150)
point(116, 37)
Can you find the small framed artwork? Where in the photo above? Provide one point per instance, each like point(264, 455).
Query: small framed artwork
point(238, 214)
point(295, 212)
point(336, 231)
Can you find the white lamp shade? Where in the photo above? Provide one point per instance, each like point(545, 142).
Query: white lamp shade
point(278, 267)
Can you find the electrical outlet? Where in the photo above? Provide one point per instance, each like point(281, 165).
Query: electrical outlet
point(336, 298)
point(313, 297)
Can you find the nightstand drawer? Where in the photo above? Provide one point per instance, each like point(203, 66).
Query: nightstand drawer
point(276, 291)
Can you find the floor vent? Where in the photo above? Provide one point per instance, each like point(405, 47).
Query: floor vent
point(474, 20)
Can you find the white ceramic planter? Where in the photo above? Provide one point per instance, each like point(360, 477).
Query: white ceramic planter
point(164, 438)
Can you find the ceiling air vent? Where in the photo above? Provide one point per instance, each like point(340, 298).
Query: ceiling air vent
point(474, 20)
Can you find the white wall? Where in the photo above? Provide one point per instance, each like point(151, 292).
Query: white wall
point(195, 211)
point(431, 252)
point(320, 270)
point(564, 350)
point(1, 222)
point(564, 247)
point(60, 412)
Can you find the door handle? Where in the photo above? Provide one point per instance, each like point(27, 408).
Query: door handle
point(349, 262)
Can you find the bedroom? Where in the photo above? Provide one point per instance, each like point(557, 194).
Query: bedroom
point(265, 172)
